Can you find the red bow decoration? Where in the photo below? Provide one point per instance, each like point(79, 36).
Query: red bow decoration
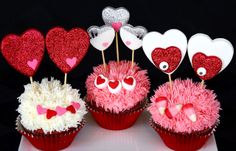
point(172, 111)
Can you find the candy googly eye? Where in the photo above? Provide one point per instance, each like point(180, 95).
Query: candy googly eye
point(164, 66)
point(201, 71)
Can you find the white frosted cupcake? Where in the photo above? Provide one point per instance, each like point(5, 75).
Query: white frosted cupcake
point(51, 114)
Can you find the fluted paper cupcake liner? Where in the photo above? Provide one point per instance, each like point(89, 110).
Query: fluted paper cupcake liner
point(51, 141)
point(114, 121)
point(183, 141)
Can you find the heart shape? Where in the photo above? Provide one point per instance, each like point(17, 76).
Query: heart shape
point(105, 44)
point(114, 86)
point(76, 105)
point(25, 52)
point(129, 80)
point(167, 60)
point(101, 81)
point(132, 36)
point(206, 67)
point(41, 110)
point(50, 113)
point(219, 47)
point(71, 109)
point(172, 37)
point(60, 110)
point(116, 26)
point(101, 37)
point(71, 61)
point(129, 83)
point(62, 45)
point(33, 64)
point(115, 17)
point(127, 43)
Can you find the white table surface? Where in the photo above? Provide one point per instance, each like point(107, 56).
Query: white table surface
point(140, 137)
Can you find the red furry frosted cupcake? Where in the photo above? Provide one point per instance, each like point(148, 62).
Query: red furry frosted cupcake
point(117, 96)
point(185, 113)
point(117, 91)
point(185, 118)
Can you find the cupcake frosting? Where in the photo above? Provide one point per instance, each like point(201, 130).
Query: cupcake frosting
point(50, 106)
point(119, 87)
point(190, 107)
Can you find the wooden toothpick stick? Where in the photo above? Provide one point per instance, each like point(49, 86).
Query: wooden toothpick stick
point(202, 83)
point(170, 81)
point(31, 79)
point(132, 58)
point(117, 48)
point(65, 79)
point(103, 59)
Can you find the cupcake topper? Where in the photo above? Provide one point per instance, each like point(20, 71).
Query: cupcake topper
point(132, 37)
point(209, 57)
point(25, 52)
point(116, 18)
point(101, 38)
point(67, 49)
point(165, 51)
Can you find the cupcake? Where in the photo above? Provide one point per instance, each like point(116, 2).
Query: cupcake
point(185, 113)
point(50, 114)
point(117, 91)
point(118, 95)
point(185, 118)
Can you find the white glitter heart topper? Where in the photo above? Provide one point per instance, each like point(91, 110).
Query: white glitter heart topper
point(101, 37)
point(132, 36)
point(116, 17)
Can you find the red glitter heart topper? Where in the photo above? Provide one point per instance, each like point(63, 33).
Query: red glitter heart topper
point(167, 60)
point(206, 67)
point(67, 49)
point(25, 52)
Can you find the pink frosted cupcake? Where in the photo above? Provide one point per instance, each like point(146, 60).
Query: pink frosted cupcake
point(185, 118)
point(116, 96)
point(51, 114)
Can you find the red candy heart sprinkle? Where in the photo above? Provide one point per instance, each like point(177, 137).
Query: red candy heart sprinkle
point(206, 67)
point(67, 49)
point(71, 109)
point(167, 59)
point(100, 80)
point(51, 113)
point(129, 80)
point(25, 52)
point(113, 84)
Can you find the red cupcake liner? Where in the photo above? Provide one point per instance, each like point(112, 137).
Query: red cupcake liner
point(182, 141)
point(49, 142)
point(114, 121)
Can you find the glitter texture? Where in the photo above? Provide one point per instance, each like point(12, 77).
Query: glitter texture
point(63, 46)
point(25, 52)
point(95, 30)
point(212, 64)
point(171, 55)
point(111, 15)
point(138, 31)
